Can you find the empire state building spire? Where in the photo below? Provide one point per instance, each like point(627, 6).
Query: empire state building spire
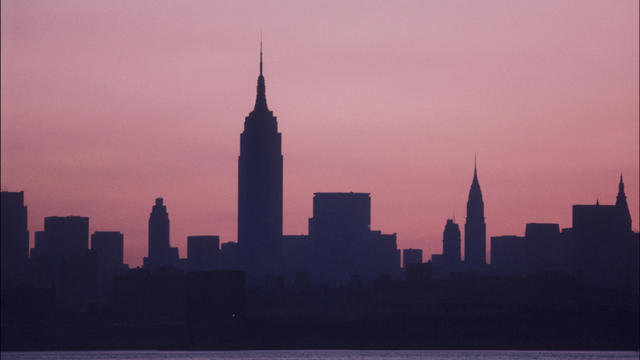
point(261, 97)
point(260, 54)
point(260, 190)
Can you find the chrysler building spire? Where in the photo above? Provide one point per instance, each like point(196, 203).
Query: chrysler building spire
point(475, 229)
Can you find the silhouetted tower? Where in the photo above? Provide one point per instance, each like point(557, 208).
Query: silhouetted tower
point(109, 249)
point(203, 252)
point(158, 230)
point(108, 246)
point(411, 256)
point(14, 239)
point(66, 236)
point(260, 189)
point(475, 230)
point(160, 251)
point(451, 242)
point(621, 204)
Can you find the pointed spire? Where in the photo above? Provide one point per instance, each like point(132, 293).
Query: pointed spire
point(621, 199)
point(261, 97)
point(475, 205)
point(475, 162)
point(475, 167)
point(621, 203)
point(621, 184)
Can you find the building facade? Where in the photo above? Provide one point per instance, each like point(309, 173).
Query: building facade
point(475, 229)
point(15, 237)
point(160, 251)
point(203, 252)
point(449, 262)
point(411, 256)
point(342, 242)
point(260, 190)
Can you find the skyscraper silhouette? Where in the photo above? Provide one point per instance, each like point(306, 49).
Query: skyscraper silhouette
point(451, 242)
point(411, 256)
point(621, 204)
point(160, 251)
point(203, 252)
point(15, 237)
point(66, 236)
point(475, 230)
point(158, 229)
point(342, 242)
point(603, 245)
point(449, 261)
point(260, 189)
point(108, 247)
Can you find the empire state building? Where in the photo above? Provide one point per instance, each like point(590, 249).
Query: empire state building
point(260, 189)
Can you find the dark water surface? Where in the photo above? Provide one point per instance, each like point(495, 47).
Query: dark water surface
point(320, 355)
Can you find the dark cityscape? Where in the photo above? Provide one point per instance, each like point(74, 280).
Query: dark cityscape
point(343, 285)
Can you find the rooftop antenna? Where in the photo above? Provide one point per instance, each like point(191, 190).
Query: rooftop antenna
point(260, 51)
point(475, 160)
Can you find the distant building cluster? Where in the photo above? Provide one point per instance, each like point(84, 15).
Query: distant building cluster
point(600, 247)
point(341, 247)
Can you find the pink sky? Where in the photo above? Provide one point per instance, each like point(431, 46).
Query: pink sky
point(107, 105)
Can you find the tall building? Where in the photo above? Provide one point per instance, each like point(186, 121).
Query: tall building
point(411, 256)
point(296, 252)
point(508, 255)
point(260, 189)
point(451, 242)
point(342, 242)
point(475, 230)
point(158, 229)
point(203, 252)
point(160, 251)
point(542, 247)
point(621, 205)
point(15, 237)
point(108, 247)
point(41, 247)
point(65, 236)
point(602, 243)
point(448, 262)
point(62, 260)
point(229, 257)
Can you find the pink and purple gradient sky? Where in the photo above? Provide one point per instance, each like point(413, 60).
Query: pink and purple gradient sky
point(107, 105)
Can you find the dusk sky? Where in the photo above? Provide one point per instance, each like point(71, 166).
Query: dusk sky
point(107, 105)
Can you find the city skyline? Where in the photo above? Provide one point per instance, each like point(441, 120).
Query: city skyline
point(195, 175)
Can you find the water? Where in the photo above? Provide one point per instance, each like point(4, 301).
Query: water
point(320, 355)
